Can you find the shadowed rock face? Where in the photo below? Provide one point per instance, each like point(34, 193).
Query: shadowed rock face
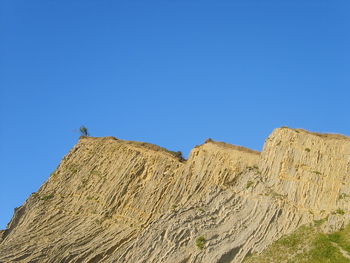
point(117, 201)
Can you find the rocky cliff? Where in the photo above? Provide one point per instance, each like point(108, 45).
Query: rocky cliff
point(111, 200)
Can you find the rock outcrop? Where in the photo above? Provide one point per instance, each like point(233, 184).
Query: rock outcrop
point(312, 169)
point(118, 201)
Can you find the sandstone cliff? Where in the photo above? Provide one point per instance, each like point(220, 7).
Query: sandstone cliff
point(119, 201)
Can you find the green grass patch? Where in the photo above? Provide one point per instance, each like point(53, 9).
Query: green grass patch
point(249, 184)
point(307, 245)
point(47, 197)
point(338, 212)
point(320, 221)
point(343, 196)
point(200, 241)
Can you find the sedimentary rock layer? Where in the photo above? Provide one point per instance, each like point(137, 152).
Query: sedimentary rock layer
point(111, 200)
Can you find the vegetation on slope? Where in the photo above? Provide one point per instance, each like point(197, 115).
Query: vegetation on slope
point(307, 245)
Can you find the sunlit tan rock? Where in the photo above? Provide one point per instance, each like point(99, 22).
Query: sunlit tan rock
point(111, 200)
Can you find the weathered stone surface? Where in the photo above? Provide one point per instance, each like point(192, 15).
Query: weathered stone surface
point(311, 169)
point(117, 201)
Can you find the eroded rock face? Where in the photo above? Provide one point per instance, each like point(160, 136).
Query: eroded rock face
point(312, 170)
point(117, 201)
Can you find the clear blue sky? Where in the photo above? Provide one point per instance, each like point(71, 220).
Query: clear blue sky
point(171, 73)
